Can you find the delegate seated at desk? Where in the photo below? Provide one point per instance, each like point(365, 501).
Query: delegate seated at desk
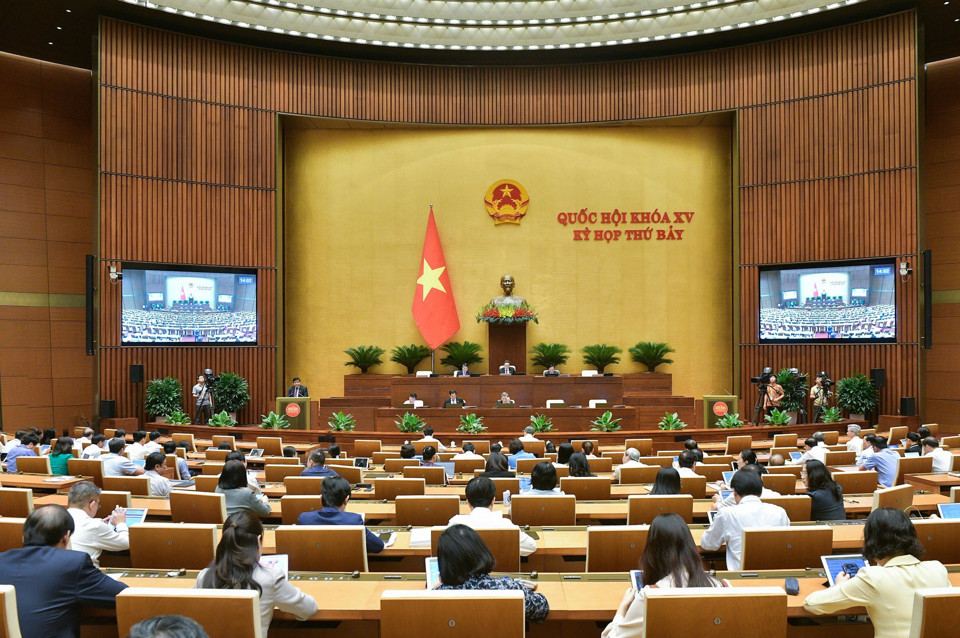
point(334, 496)
point(505, 399)
point(517, 452)
point(464, 371)
point(551, 372)
point(507, 369)
point(453, 400)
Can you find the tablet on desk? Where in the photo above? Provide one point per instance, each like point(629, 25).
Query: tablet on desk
point(276, 561)
point(734, 466)
point(948, 510)
point(432, 568)
point(136, 515)
point(727, 477)
point(911, 455)
point(847, 563)
point(711, 514)
point(361, 461)
point(139, 462)
point(636, 579)
point(44, 449)
point(725, 494)
point(256, 453)
point(796, 456)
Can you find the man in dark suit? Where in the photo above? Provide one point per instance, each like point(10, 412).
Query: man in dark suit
point(453, 400)
point(315, 466)
point(53, 582)
point(334, 496)
point(297, 390)
point(507, 368)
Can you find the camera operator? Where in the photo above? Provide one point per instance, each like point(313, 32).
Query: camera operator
point(773, 396)
point(820, 395)
point(203, 393)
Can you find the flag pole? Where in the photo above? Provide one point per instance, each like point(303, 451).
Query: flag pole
point(432, 352)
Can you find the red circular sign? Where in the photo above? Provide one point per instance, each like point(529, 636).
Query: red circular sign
point(293, 410)
point(720, 408)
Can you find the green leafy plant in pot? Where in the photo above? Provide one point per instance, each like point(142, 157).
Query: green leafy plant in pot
point(541, 423)
point(273, 421)
point(178, 418)
point(777, 417)
point(461, 352)
point(410, 422)
point(600, 356)
point(231, 392)
point(340, 422)
point(222, 420)
point(831, 415)
point(364, 357)
point(549, 354)
point(857, 395)
point(651, 354)
point(605, 423)
point(471, 424)
point(164, 397)
point(671, 422)
point(794, 390)
point(409, 356)
point(730, 420)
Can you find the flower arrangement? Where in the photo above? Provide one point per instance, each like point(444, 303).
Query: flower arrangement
point(510, 313)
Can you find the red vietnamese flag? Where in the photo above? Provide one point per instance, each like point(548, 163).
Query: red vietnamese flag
point(434, 309)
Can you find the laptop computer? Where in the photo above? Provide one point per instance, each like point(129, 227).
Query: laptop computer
point(948, 510)
point(725, 494)
point(136, 515)
point(361, 461)
point(727, 476)
point(448, 467)
point(796, 456)
point(140, 462)
point(711, 514)
point(836, 563)
point(734, 466)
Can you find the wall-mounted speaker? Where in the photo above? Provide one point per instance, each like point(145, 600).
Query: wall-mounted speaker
point(108, 409)
point(879, 377)
point(136, 373)
point(908, 406)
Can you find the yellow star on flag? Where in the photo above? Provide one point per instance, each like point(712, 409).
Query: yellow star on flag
point(430, 279)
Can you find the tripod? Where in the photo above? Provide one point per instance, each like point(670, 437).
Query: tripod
point(758, 405)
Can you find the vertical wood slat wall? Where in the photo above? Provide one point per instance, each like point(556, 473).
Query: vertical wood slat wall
point(827, 155)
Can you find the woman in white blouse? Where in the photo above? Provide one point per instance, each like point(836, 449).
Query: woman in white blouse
point(237, 566)
point(670, 559)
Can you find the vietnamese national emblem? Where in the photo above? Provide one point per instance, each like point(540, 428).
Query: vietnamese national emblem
point(506, 201)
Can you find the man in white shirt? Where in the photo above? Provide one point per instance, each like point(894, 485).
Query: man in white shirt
point(14, 442)
point(91, 534)
point(528, 434)
point(686, 463)
point(631, 458)
point(115, 464)
point(730, 501)
point(136, 451)
point(84, 440)
point(96, 447)
point(153, 445)
point(750, 511)
point(428, 437)
point(855, 444)
point(158, 473)
point(468, 452)
point(481, 494)
point(812, 450)
point(942, 460)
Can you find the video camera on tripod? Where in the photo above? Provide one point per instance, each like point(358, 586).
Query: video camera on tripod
point(761, 381)
point(209, 378)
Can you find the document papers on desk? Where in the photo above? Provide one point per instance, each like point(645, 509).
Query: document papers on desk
point(420, 537)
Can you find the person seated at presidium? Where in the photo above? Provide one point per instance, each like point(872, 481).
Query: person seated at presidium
point(60, 456)
point(53, 583)
point(91, 534)
point(727, 527)
point(886, 586)
point(465, 562)
point(667, 482)
point(884, 460)
point(481, 495)
point(297, 389)
point(669, 560)
point(505, 399)
point(497, 466)
point(115, 464)
point(464, 371)
point(551, 372)
point(517, 452)
point(543, 480)
point(28, 446)
point(334, 496)
point(315, 465)
point(237, 566)
point(237, 494)
point(579, 465)
point(825, 494)
point(507, 368)
point(453, 400)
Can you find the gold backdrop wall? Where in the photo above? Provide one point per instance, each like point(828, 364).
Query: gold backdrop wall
point(355, 213)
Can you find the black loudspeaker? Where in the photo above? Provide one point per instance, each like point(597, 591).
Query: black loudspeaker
point(108, 409)
point(908, 406)
point(91, 264)
point(878, 376)
point(136, 373)
point(927, 300)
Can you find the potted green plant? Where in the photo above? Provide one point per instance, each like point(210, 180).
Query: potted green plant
point(671, 422)
point(364, 357)
point(777, 417)
point(651, 354)
point(600, 356)
point(730, 420)
point(178, 418)
point(164, 397)
point(831, 415)
point(541, 423)
point(409, 356)
point(857, 395)
point(794, 392)
point(471, 424)
point(231, 393)
point(274, 421)
point(340, 422)
point(410, 422)
point(222, 420)
point(459, 353)
point(605, 423)
point(549, 354)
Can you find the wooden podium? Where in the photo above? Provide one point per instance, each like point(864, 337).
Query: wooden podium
point(715, 406)
point(507, 342)
point(301, 412)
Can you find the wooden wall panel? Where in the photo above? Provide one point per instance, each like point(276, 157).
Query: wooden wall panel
point(826, 123)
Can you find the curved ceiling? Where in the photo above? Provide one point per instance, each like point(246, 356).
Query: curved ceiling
point(527, 25)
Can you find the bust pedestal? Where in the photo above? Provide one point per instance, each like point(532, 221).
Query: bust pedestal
point(507, 342)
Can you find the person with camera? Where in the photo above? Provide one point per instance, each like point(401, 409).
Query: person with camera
point(773, 396)
point(820, 395)
point(203, 393)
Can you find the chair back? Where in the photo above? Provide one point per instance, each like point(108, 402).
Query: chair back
point(387, 489)
point(276, 473)
point(543, 510)
point(183, 436)
point(793, 470)
point(695, 485)
point(659, 461)
point(34, 464)
point(229, 439)
point(172, 546)
point(641, 510)
point(110, 501)
point(379, 458)
point(832, 437)
point(351, 474)
point(797, 506)
point(615, 548)
point(343, 461)
point(467, 466)
point(643, 446)
point(397, 465)
point(950, 442)
point(11, 533)
point(171, 461)
point(212, 467)
point(216, 455)
point(715, 612)
point(955, 494)
point(323, 548)
point(934, 612)
point(839, 458)
point(480, 447)
point(223, 613)
point(933, 427)
point(291, 507)
point(537, 448)
point(713, 472)
point(900, 497)
point(638, 475)
point(578, 445)
point(506, 484)
point(10, 620)
point(16, 502)
point(504, 544)
point(197, 507)
point(282, 460)
point(601, 464)
point(525, 466)
point(136, 485)
point(419, 445)
point(365, 447)
point(939, 539)
point(786, 441)
point(737, 443)
point(586, 488)
point(793, 547)
point(452, 612)
point(897, 433)
point(109, 433)
point(857, 482)
point(425, 511)
point(915, 465)
point(432, 475)
point(206, 482)
point(308, 485)
point(780, 483)
point(271, 445)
